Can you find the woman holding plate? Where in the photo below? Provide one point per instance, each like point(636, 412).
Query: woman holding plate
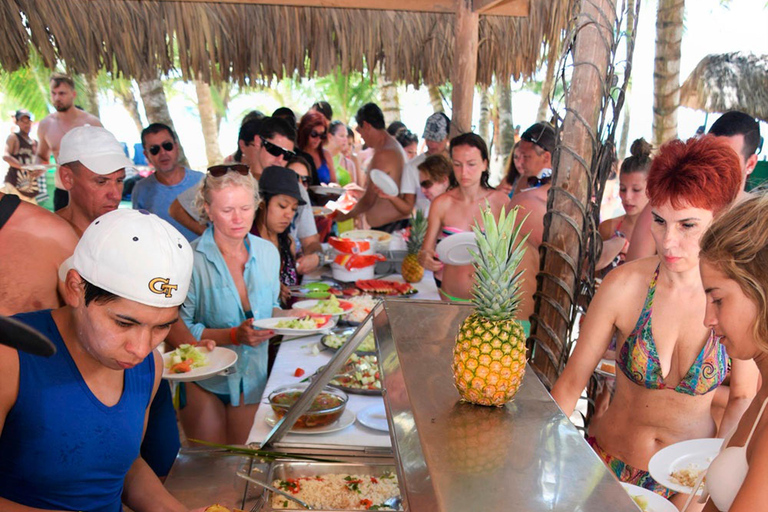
point(457, 210)
point(665, 373)
point(236, 279)
point(734, 258)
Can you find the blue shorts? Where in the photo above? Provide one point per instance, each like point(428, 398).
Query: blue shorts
point(161, 440)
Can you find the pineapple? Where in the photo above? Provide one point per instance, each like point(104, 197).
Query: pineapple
point(489, 355)
point(411, 270)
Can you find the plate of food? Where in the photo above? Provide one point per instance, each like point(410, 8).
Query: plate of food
point(606, 368)
point(290, 325)
point(335, 340)
point(679, 465)
point(326, 413)
point(189, 363)
point(455, 249)
point(359, 375)
point(385, 287)
point(648, 501)
point(332, 306)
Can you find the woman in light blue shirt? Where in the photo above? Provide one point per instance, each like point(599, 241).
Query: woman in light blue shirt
point(235, 280)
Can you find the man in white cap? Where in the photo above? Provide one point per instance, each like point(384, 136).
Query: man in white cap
point(92, 169)
point(71, 425)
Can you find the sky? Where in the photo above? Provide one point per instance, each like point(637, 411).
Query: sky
point(710, 27)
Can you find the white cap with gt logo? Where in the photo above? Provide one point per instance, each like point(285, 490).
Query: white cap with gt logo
point(137, 256)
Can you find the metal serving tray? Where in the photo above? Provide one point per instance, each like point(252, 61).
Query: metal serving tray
point(284, 469)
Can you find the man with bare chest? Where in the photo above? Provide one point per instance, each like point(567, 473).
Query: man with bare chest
point(56, 125)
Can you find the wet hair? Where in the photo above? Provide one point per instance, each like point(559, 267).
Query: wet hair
point(639, 159)
point(93, 293)
point(248, 131)
point(439, 169)
point(701, 172)
point(156, 128)
point(511, 173)
point(738, 123)
point(394, 128)
point(334, 127)
point(257, 115)
point(58, 78)
point(737, 244)
point(370, 113)
point(473, 140)
point(285, 114)
point(271, 126)
point(406, 137)
point(324, 108)
point(309, 122)
point(228, 179)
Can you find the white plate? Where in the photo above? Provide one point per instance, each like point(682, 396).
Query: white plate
point(656, 503)
point(347, 418)
point(320, 211)
point(694, 452)
point(385, 182)
point(36, 167)
point(454, 249)
point(220, 359)
point(606, 368)
point(326, 191)
point(270, 323)
point(309, 304)
point(374, 417)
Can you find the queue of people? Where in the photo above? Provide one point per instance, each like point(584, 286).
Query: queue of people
point(203, 254)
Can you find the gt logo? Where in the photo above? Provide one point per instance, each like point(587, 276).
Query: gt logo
point(159, 285)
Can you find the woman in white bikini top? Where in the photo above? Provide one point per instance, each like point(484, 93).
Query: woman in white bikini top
point(734, 256)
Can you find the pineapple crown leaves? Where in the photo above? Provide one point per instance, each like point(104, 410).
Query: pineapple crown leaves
point(417, 232)
point(496, 292)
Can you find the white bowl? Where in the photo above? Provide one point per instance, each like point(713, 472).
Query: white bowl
point(379, 239)
point(349, 276)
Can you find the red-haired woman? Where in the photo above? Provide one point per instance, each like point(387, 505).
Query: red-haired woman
point(313, 134)
point(666, 373)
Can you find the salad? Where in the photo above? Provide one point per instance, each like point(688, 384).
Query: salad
point(185, 359)
point(359, 372)
point(305, 323)
point(367, 345)
point(332, 306)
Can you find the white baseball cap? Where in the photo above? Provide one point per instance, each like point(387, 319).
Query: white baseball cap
point(137, 256)
point(94, 147)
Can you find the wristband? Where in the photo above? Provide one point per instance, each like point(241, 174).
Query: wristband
point(233, 336)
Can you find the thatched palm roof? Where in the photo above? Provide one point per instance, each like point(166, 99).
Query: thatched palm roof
point(729, 81)
point(242, 42)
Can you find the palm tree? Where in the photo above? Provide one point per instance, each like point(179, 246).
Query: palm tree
point(156, 107)
point(347, 92)
point(208, 122)
point(666, 71)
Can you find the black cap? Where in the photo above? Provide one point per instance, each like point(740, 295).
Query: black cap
point(542, 134)
point(279, 180)
point(23, 113)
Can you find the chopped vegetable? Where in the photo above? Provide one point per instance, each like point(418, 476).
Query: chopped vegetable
point(299, 372)
point(185, 359)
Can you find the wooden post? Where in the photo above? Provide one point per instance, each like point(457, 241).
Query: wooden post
point(564, 220)
point(464, 72)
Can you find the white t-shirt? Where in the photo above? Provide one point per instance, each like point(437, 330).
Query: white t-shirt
point(410, 182)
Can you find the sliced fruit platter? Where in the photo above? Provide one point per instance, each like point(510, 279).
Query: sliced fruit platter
point(385, 287)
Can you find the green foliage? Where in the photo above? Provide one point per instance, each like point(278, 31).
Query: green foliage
point(27, 88)
point(346, 92)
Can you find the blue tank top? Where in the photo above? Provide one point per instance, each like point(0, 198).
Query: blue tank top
point(61, 448)
point(324, 173)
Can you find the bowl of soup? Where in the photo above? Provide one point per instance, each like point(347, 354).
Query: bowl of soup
point(327, 407)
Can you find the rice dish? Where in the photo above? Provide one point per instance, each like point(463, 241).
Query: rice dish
point(363, 305)
point(337, 491)
point(686, 477)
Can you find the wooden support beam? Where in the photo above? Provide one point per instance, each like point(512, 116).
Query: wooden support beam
point(502, 7)
point(464, 72)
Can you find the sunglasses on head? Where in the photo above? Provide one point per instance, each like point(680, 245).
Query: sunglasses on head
point(275, 150)
point(535, 181)
point(154, 150)
point(220, 170)
point(315, 134)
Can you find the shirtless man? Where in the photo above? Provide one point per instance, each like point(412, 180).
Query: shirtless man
point(92, 165)
point(742, 132)
point(388, 157)
point(56, 125)
point(20, 151)
point(33, 243)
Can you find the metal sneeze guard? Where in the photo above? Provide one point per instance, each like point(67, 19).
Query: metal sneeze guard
point(454, 456)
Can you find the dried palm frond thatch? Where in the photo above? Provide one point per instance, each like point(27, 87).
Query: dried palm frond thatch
point(729, 81)
point(244, 42)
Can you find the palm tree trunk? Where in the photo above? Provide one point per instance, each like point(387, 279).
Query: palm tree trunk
point(131, 105)
point(390, 102)
point(485, 117)
point(666, 71)
point(208, 122)
point(506, 126)
point(92, 90)
point(549, 81)
point(435, 98)
point(156, 107)
point(624, 141)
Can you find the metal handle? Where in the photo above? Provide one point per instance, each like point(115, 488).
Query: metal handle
point(276, 491)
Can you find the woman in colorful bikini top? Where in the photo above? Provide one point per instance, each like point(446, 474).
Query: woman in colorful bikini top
point(668, 362)
point(734, 258)
point(456, 211)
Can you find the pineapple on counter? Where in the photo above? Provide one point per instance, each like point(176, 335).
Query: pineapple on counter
point(489, 355)
point(411, 270)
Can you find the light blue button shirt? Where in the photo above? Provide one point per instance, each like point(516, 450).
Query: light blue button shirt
point(213, 303)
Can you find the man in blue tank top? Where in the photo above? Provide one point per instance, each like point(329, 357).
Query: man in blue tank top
point(71, 425)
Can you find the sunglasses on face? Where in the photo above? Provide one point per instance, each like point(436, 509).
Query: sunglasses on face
point(535, 181)
point(275, 150)
point(220, 170)
point(321, 135)
point(304, 179)
point(154, 150)
point(426, 184)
